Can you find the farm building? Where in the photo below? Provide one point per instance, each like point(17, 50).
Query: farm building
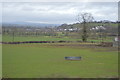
point(116, 42)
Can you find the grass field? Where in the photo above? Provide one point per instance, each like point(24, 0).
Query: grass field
point(7, 38)
point(0, 61)
point(36, 38)
point(47, 60)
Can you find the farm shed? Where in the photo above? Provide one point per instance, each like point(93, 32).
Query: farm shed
point(116, 42)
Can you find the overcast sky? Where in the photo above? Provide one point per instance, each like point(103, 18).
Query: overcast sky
point(57, 13)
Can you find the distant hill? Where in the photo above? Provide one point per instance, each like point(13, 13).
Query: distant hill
point(92, 24)
point(26, 24)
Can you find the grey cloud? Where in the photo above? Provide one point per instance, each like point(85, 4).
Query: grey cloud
point(57, 11)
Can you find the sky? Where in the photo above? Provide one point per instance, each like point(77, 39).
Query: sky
point(57, 12)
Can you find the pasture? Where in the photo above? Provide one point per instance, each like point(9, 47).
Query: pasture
point(47, 61)
point(0, 60)
point(8, 38)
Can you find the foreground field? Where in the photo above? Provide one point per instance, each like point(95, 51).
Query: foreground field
point(0, 57)
point(47, 60)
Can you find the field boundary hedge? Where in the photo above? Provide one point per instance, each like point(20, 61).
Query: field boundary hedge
point(22, 42)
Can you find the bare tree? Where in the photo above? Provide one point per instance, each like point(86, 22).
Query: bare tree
point(13, 33)
point(85, 18)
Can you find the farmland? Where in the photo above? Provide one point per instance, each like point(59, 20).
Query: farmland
point(59, 40)
point(8, 38)
point(47, 60)
point(65, 32)
point(36, 38)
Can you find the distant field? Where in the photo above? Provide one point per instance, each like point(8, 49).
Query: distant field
point(0, 37)
point(36, 38)
point(7, 38)
point(47, 60)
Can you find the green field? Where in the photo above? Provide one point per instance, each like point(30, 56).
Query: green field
point(36, 38)
point(0, 61)
point(47, 60)
point(7, 38)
